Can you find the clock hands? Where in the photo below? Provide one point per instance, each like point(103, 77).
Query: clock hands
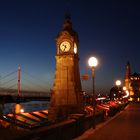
point(65, 46)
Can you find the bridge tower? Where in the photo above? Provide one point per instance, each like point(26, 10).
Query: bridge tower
point(18, 80)
point(67, 96)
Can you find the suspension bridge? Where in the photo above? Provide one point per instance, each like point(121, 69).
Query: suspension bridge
point(23, 84)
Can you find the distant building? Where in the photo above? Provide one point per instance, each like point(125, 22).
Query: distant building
point(132, 83)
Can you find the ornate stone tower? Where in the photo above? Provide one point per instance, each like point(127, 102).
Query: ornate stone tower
point(67, 97)
point(128, 79)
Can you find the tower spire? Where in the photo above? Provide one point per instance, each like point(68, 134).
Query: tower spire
point(128, 70)
point(127, 75)
point(67, 22)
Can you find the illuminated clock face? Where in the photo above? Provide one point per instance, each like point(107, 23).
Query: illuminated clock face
point(75, 48)
point(65, 46)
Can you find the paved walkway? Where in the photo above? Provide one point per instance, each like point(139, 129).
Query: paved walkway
point(124, 126)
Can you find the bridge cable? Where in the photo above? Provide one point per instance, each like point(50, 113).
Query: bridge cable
point(2, 84)
point(35, 84)
point(9, 74)
point(26, 73)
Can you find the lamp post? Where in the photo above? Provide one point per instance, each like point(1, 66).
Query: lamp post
point(93, 62)
point(124, 88)
point(118, 83)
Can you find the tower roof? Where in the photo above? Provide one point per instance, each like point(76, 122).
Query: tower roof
point(128, 63)
point(67, 27)
point(67, 22)
point(135, 75)
point(128, 70)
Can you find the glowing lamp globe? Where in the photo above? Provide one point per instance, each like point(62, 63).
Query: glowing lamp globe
point(124, 88)
point(93, 62)
point(118, 83)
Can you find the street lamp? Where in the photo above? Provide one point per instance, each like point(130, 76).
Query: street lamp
point(124, 88)
point(118, 83)
point(93, 62)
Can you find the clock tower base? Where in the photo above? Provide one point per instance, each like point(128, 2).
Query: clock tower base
point(62, 112)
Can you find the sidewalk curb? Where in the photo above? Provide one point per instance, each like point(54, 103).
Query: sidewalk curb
point(91, 131)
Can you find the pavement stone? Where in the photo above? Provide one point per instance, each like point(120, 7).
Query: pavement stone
point(125, 125)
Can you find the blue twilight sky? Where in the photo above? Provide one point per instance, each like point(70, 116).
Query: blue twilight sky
point(109, 30)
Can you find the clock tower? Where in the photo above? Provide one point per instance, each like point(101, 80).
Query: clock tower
point(67, 96)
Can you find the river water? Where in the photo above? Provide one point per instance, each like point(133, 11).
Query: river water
point(27, 106)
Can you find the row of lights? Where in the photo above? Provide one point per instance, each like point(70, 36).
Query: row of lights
point(118, 83)
point(93, 62)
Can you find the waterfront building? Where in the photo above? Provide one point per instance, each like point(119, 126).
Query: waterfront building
point(132, 83)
